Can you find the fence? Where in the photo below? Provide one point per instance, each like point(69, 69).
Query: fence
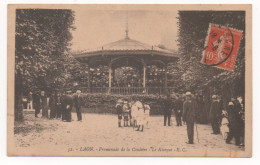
point(128, 90)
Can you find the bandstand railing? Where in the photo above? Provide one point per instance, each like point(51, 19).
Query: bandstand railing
point(128, 90)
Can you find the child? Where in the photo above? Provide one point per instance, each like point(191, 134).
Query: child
point(134, 111)
point(125, 113)
point(147, 114)
point(131, 103)
point(224, 129)
point(119, 111)
point(30, 101)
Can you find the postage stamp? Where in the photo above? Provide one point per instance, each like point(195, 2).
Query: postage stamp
point(222, 45)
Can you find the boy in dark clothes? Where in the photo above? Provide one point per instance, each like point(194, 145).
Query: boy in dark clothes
point(119, 110)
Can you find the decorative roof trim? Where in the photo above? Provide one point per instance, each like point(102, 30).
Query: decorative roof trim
point(125, 52)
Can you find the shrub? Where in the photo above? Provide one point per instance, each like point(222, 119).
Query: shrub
point(102, 103)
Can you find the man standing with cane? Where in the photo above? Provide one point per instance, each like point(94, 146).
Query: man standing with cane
point(189, 115)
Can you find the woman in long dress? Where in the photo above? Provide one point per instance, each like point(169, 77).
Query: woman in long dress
point(140, 116)
point(43, 105)
point(133, 113)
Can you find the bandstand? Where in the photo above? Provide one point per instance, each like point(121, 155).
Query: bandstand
point(127, 53)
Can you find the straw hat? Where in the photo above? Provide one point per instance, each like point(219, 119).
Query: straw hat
point(230, 103)
point(188, 94)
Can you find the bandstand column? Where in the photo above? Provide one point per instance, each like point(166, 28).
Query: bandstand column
point(109, 77)
point(166, 78)
point(88, 76)
point(113, 76)
point(144, 74)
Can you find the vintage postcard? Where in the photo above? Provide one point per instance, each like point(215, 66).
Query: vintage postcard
point(130, 80)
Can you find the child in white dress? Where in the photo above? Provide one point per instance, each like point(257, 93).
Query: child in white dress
point(224, 129)
point(147, 114)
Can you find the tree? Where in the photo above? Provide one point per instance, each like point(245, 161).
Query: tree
point(42, 40)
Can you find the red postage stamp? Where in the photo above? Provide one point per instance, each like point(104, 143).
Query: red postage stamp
point(222, 45)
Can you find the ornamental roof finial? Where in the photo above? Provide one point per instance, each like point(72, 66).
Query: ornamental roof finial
point(126, 31)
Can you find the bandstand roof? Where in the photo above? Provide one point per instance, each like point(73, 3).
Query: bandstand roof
point(126, 52)
point(126, 46)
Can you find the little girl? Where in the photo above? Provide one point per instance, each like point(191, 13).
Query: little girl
point(224, 129)
point(147, 114)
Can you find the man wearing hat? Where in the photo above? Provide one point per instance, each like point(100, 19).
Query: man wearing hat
point(178, 108)
point(167, 107)
point(58, 101)
point(44, 104)
point(67, 105)
point(234, 123)
point(37, 105)
point(190, 113)
point(215, 114)
point(52, 106)
point(119, 110)
point(78, 103)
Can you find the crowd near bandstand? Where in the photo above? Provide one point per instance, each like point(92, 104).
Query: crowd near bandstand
point(188, 109)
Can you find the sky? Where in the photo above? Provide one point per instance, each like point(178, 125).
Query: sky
point(95, 28)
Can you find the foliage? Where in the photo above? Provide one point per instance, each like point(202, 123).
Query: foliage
point(193, 28)
point(76, 74)
point(100, 103)
point(42, 40)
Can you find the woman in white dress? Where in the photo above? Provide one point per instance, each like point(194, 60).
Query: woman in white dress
point(140, 116)
point(147, 114)
point(134, 111)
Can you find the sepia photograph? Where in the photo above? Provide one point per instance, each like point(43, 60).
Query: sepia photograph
point(130, 80)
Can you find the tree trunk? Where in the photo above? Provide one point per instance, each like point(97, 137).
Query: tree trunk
point(18, 109)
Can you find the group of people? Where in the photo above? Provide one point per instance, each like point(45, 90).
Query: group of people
point(228, 121)
point(134, 113)
point(60, 105)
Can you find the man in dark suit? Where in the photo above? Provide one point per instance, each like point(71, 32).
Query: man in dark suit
point(190, 113)
point(58, 101)
point(36, 102)
point(167, 106)
point(67, 104)
point(78, 103)
point(234, 123)
point(178, 106)
point(215, 114)
point(52, 106)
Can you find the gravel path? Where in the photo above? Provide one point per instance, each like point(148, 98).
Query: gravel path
point(100, 134)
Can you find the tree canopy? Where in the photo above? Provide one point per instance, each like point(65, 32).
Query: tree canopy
point(42, 40)
point(193, 28)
